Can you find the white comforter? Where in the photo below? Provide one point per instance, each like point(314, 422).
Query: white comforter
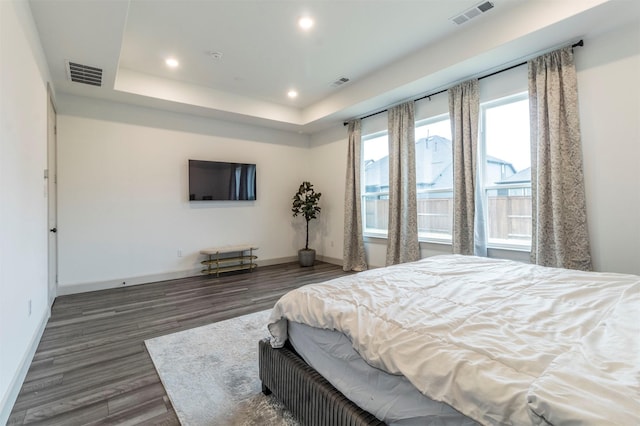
point(502, 342)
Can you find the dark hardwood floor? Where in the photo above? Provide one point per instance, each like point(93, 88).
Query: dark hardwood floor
point(92, 367)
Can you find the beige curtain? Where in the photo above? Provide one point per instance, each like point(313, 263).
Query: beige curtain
point(464, 106)
point(354, 254)
point(560, 237)
point(402, 240)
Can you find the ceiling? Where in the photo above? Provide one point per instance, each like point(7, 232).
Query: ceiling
point(390, 50)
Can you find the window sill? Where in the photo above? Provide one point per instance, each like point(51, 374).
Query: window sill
point(519, 251)
point(510, 247)
point(373, 236)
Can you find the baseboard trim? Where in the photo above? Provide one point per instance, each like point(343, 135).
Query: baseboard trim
point(277, 261)
point(64, 290)
point(6, 406)
point(332, 260)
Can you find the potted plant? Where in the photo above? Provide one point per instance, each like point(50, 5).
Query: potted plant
point(305, 203)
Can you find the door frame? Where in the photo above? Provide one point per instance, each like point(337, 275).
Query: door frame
point(51, 176)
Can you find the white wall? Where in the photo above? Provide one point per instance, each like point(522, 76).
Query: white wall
point(327, 172)
point(608, 69)
point(23, 209)
point(123, 193)
point(608, 66)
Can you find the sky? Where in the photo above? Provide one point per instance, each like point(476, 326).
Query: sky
point(507, 128)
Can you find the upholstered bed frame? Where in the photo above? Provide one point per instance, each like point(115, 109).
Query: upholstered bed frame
point(308, 395)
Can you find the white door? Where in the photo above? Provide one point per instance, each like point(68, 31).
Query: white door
point(52, 221)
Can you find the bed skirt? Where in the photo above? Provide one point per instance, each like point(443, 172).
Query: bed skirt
point(308, 395)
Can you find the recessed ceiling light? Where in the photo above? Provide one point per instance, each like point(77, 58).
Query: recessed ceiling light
point(172, 62)
point(305, 23)
point(292, 94)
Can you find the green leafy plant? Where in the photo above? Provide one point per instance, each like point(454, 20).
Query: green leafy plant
point(305, 203)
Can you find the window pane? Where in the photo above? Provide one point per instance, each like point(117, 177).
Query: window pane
point(507, 172)
point(434, 178)
point(375, 203)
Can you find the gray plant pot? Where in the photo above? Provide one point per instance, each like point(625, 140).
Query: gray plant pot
point(306, 257)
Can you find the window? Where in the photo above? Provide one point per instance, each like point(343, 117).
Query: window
point(434, 178)
point(375, 187)
point(507, 171)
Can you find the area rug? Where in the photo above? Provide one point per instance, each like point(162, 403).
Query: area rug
point(211, 374)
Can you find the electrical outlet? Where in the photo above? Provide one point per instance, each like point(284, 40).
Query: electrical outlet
point(179, 252)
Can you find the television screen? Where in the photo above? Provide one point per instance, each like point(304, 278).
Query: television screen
point(219, 181)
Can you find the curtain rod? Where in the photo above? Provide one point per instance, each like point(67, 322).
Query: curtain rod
point(577, 44)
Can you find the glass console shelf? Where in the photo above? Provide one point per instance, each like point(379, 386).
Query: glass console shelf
point(228, 259)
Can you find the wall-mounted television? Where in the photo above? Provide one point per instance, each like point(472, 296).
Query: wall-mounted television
point(221, 181)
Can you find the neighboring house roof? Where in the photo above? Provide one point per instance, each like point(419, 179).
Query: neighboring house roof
point(520, 177)
point(437, 154)
point(496, 160)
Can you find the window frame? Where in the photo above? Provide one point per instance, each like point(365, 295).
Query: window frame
point(482, 151)
point(482, 143)
point(421, 236)
point(366, 232)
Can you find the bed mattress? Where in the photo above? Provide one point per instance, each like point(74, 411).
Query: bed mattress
point(391, 398)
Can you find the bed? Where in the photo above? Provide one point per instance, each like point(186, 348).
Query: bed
point(458, 340)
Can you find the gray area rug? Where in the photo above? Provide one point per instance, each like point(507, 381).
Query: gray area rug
point(211, 374)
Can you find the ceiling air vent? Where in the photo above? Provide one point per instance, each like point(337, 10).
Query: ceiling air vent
point(85, 74)
point(469, 14)
point(339, 82)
